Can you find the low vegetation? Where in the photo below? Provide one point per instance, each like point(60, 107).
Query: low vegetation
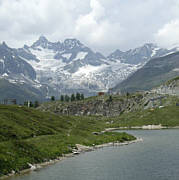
point(166, 116)
point(30, 136)
point(172, 80)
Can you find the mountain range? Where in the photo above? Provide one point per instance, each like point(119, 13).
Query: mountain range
point(53, 68)
point(154, 73)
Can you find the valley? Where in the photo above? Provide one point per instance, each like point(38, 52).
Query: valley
point(31, 136)
point(89, 90)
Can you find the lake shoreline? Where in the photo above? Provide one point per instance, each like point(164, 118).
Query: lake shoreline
point(80, 149)
point(145, 127)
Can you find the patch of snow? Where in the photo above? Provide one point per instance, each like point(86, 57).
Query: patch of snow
point(46, 61)
point(2, 61)
point(168, 53)
point(12, 81)
point(174, 46)
point(36, 80)
point(37, 86)
point(47, 65)
point(87, 69)
point(67, 55)
point(23, 58)
point(81, 55)
point(25, 50)
point(5, 75)
point(104, 76)
point(176, 69)
point(154, 51)
point(43, 54)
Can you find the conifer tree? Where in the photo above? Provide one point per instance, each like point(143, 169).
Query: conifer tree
point(31, 104)
point(25, 103)
point(82, 97)
point(36, 104)
point(52, 98)
point(110, 98)
point(72, 97)
point(78, 96)
point(67, 98)
point(62, 98)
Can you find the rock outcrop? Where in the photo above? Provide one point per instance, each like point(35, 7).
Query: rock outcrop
point(105, 105)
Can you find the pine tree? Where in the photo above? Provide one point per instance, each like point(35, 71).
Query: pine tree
point(25, 103)
point(110, 98)
point(52, 98)
point(62, 98)
point(36, 104)
point(67, 98)
point(31, 104)
point(82, 96)
point(78, 97)
point(72, 97)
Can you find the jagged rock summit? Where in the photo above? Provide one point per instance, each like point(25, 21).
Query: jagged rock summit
point(55, 68)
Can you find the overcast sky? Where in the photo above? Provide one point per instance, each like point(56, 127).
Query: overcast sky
point(103, 25)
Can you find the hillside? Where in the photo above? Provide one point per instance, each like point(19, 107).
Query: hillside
point(170, 87)
point(109, 105)
point(153, 74)
point(30, 136)
point(167, 116)
point(19, 92)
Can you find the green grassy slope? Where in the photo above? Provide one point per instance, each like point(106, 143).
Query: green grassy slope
point(166, 116)
point(30, 136)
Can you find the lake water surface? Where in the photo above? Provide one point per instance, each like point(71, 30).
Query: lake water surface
point(156, 158)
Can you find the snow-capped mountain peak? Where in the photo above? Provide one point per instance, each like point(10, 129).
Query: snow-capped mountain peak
point(43, 43)
point(70, 66)
point(116, 54)
point(139, 55)
point(72, 43)
point(12, 65)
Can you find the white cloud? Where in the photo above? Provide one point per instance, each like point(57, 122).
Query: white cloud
point(21, 20)
point(95, 29)
point(104, 25)
point(168, 35)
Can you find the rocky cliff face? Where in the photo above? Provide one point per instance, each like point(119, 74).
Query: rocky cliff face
point(12, 65)
point(106, 106)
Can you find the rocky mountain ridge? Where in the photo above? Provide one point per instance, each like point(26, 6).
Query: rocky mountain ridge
point(141, 54)
point(55, 68)
point(151, 75)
